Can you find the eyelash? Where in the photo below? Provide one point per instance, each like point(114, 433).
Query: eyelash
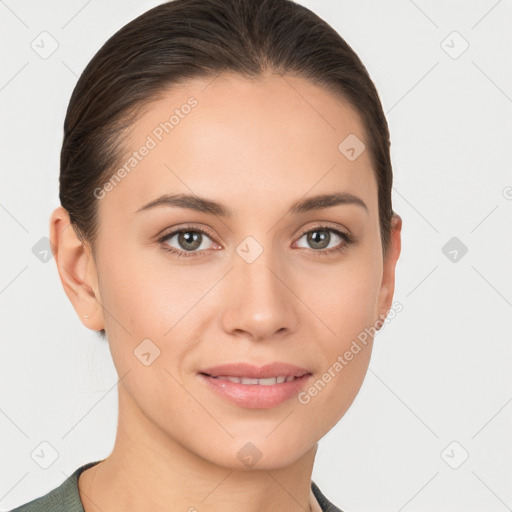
point(347, 240)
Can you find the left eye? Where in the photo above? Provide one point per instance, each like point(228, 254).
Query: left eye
point(320, 238)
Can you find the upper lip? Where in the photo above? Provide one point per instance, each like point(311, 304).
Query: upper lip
point(255, 372)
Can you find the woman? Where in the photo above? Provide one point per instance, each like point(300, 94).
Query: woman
point(226, 174)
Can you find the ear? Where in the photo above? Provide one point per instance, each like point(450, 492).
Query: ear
point(387, 288)
point(77, 270)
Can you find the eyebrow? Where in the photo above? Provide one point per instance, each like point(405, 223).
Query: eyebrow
point(201, 204)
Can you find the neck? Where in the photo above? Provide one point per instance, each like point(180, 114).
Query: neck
point(147, 470)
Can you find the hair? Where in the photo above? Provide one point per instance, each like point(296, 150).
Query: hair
point(183, 40)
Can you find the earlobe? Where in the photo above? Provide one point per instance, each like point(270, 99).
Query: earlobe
point(77, 270)
point(388, 277)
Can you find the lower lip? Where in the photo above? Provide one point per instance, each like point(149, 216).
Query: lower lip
point(256, 396)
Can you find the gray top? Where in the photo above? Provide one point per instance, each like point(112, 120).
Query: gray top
point(66, 498)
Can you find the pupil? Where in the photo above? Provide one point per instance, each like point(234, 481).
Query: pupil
point(316, 238)
point(190, 238)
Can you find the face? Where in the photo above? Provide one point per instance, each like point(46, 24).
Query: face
point(185, 286)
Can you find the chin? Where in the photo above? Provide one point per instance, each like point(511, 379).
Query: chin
point(258, 453)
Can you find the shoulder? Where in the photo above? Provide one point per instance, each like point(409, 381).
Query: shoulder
point(41, 504)
point(64, 498)
point(324, 503)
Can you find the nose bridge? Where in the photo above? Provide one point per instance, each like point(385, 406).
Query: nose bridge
point(258, 300)
point(259, 275)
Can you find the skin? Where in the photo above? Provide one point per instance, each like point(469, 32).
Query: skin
point(257, 147)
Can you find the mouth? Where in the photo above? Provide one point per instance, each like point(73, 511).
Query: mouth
point(269, 381)
point(252, 387)
point(248, 373)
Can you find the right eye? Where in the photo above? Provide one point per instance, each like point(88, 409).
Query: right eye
point(190, 241)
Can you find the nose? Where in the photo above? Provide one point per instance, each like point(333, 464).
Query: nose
point(259, 300)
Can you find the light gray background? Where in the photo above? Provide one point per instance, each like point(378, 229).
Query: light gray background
point(440, 371)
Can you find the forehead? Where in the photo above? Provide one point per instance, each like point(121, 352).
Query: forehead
point(243, 141)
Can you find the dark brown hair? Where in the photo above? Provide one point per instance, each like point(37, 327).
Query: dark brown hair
point(187, 39)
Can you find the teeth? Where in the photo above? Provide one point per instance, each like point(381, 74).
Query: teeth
point(262, 382)
point(243, 380)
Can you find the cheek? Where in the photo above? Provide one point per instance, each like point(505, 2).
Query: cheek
point(329, 397)
point(347, 308)
point(344, 301)
point(150, 307)
point(140, 295)
point(343, 296)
